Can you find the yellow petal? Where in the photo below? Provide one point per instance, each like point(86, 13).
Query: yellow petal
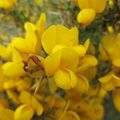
point(65, 79)
point(32, 40)
point(23, 84)
point(5, 52)
point(41, 24)
point(87, 62)
point(110, 81)
point(16, 56)
point(116, 99)
point(52, 62)
point(27, 44)
point(82, 84)
point(84, 4)
point(22, 45)
point(80, 49)
point(86, 44)
point(49, 43)
point(65, 57)
point(99, 6)
point(69, 58)
point(29, 27)
point(59, 35)
point(23, 112)
point(116, 62)
point(37, 106)
point(25, 97)
point(86, 16)
point(74, 36)
point(105, 78)
point(62, 35)
point(13, 69)
point(9, 84)
point(110, 43)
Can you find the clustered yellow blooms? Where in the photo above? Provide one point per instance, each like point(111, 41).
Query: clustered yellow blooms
point(49, 73)
point(89, 9)
point(109, 51)
point(47, 60)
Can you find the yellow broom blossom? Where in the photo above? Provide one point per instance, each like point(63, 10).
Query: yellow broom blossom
point(89, 9)
point(29, 106)
point(14, 68)
point(31, 44)
point(62, 64)
point(110, 81)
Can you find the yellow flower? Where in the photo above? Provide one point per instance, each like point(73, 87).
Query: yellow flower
point(94, 4)
point(64, 55)
point(15, 67)
point(31, 44)
point(65, 79)
point(7, 4)
point(62, 64)
point(29, 106)
point(63, 37)
point(116, 99)
point(110, 81)
point(5, 52)
point(86, 16)
point(86, 64)
point(109, 46)
point(59, 35)
point(82, 85)
point(89, 8)
point(82, 49)
point(88, 61)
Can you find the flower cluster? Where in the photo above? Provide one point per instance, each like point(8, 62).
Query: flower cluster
point(51, 74)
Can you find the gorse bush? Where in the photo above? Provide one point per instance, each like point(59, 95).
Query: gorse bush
point(63, 71)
